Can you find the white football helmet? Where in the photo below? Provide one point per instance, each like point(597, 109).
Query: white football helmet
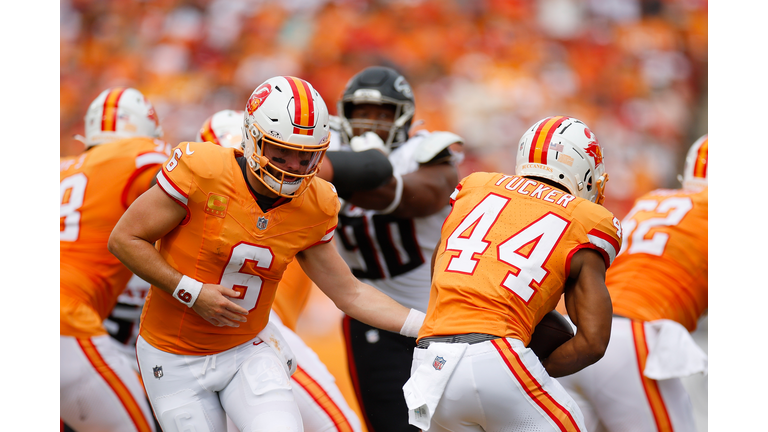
point(224, 128)
point(564, 150)
point(285, 134)
point(695, 173)
point(118, 113)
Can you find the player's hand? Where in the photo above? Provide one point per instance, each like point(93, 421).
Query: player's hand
point(213, 305)
point(368, 140)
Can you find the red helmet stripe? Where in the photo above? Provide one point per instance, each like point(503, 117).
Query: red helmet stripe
point(206, 132)
point(702, 157)
point(303, 105)
point(540, 141)
point(109, 112)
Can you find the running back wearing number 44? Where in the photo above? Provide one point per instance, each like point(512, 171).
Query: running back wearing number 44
point(511, 246)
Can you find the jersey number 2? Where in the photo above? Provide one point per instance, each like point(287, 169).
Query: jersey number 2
point(527, 264)
point(677, 207)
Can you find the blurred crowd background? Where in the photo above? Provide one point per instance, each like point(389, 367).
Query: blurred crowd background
point(634, 70)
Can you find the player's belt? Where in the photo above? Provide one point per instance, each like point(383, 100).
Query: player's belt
point(468, 338)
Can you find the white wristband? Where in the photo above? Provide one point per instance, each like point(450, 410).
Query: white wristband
point(187, 290)
point(413, 323)
point(398, 196)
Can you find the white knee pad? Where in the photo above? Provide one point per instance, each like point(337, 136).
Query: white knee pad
point(259, 398)
point(266, 379)
point(182, 411)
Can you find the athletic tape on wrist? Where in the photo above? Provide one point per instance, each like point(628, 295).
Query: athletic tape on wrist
point(187, 290)
point(413, 323)
point(398, 196)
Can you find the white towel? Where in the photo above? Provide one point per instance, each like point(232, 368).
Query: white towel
point(272, 337)
point(673, 353)
point(432, 367)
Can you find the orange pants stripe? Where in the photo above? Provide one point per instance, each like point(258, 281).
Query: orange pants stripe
point(659, 410)
point(561, 416)
point(115, 383)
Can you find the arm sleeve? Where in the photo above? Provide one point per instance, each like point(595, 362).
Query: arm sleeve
point(353, 172)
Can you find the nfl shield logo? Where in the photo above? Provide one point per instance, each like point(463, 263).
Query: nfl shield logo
point(262, 223)
point(438, 363)
point(158, 371)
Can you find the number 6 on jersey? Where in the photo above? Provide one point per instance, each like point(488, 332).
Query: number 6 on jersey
point(528, 267)
point(248, 285)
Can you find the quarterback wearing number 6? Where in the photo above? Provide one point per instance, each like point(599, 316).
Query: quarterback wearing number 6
point(227, 223)
point(511, 246)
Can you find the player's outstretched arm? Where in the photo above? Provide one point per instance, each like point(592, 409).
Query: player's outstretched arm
point(352, 172)
point(589, 307)
point(424, 192)
point(150, 217)
point(362, 302)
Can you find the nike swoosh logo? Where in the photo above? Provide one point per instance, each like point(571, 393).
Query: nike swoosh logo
point(189, 152)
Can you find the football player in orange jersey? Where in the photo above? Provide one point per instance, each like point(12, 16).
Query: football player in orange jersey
point(511, 246)
point(227, 223)
point(99, 389)
point(658, 287)
point(321, 404)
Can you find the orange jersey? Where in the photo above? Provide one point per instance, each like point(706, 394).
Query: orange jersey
point(96, 188)
point(227, 239)
point(292, 295)
point(505, 253)
point(661, 271)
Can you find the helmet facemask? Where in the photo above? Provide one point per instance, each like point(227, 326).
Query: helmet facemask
point(396, 131)
point(299, 163)
point(382, 86)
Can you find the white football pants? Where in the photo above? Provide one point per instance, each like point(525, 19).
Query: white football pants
point(500, 386)
point(99, 388)
point(615, 394)
point(698, 385)
point(248, 383)
point(322, 406)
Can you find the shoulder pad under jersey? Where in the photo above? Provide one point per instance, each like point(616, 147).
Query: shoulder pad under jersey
point(190, 161)
point(602, 228)
point(325, 194)
point(433, 144)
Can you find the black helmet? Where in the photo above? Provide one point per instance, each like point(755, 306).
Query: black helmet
point(382, 86)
